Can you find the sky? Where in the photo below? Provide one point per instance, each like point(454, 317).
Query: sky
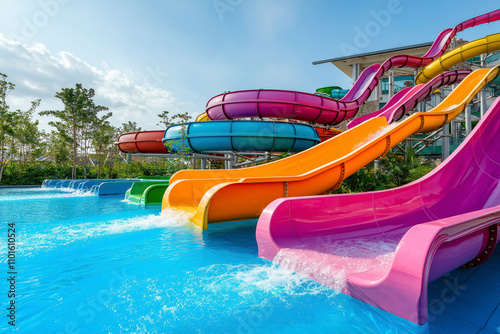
point(143, 57)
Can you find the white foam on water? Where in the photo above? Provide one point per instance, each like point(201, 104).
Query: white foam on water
point(176, 216)
point(49, 194)
point(257, 280)
point(64, 235)
point(222, 293)
point(332, 262)
point(272, 277)
point(30, 189)
point(130, 202)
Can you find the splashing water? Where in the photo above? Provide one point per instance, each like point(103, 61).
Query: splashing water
point(47, 193)
point(43, 241)
point(375, 135)
point(332, 262)
point(175, 217)
point(130, 202)
point(451, 108)
point(273, 278)
point(99, 264)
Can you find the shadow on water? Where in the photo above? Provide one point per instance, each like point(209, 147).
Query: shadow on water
point(239, 235)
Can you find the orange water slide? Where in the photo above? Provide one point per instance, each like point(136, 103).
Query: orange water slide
point(212, 196)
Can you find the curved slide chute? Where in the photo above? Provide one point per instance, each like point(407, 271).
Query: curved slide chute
point(323, 110)
point(411, 97)
point(447, 219)
point(202, 117)
point(334, 92)
point(220, 196)
point(145, 191)
point(240, 136)
point(142, 142)
point(458, 55)
point(209, 137)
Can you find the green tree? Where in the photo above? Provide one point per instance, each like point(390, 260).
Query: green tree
point(404, 169)
point(130, 127)
point(181, 119)
point(165, 120)
point(103, 138)
point(58, 147)
point(395, 170)
point(85, 142)
point(79, 109)
point(27, 138)
point(7, 119)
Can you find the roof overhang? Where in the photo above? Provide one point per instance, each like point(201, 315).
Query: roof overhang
point(377, 57)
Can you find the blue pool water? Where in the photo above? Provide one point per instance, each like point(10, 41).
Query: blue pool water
point(88, 264)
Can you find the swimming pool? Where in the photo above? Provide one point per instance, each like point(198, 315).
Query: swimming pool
point(88, 264)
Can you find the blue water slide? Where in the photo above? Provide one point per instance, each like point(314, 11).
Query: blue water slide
point(100, 187)
point(338, 93)
point(240, 136)
point(118, 187)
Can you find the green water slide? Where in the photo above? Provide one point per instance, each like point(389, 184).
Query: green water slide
point(334, 92)
point(149, 191)
point(149, 177)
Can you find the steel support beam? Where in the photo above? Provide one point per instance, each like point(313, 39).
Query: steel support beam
point(483, 92)
point(391, 84)
point(468, 120)
point(356, 71)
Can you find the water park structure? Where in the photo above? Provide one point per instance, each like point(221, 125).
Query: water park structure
point(443, 221)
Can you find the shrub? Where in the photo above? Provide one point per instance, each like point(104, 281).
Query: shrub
point(395, 170)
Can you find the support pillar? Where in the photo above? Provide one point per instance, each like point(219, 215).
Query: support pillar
point(422, 107)
point(459, 130)
point(203, 163)
point(483, 92)
point(445, 143)
point(379, 91)
point(376, 165)
point(445, 139)
point(468, 120)
point(391, 84)
point(356, 71)
point(229, 164)
point(129, 157)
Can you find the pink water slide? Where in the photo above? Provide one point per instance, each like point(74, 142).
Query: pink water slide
point(388, 245)
point(266, 103)
point(408, 98)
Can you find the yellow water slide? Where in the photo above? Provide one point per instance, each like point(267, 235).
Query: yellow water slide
point(212, 196)
point(202, 117)
point(458, 55)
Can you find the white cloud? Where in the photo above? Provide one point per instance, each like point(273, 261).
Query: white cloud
point(37, 73)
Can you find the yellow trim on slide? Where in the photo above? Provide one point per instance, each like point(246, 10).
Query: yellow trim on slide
point(202, 117)
point(458, 55)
